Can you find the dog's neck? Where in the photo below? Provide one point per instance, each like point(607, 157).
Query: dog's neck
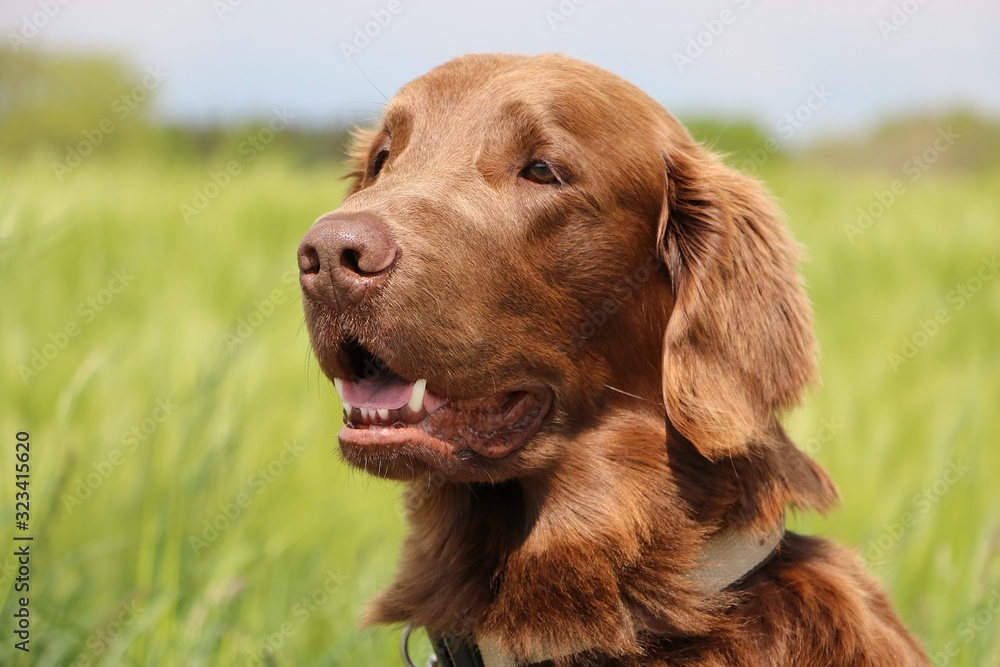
point(599, 548)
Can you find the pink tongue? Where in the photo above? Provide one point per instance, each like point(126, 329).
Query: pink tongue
point(381, 392)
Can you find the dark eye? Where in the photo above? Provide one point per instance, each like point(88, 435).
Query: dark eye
point(377, 162)
point(539, 172)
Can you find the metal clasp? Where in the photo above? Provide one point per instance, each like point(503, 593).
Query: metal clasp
point(404, 650)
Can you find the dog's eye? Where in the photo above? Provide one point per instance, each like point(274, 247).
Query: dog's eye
point(539, 172)
point(378, 162)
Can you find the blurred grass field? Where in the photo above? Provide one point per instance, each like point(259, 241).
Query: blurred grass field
point(187, 397)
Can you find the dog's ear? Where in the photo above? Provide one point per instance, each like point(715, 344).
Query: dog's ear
point(738, 345)
point(359, 148)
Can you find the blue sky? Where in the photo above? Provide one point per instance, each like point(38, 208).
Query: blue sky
point(238, 59)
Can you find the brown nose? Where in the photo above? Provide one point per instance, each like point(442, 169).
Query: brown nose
point(344, 258)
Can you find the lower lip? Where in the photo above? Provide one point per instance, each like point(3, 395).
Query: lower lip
point(393, 437)
point(412, 439)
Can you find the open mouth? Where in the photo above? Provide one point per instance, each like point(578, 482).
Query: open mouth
point(387, 413)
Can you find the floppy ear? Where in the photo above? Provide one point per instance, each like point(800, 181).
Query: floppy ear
point(739, 344)
point(359, 148)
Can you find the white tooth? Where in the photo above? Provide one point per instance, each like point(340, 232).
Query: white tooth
point(383, 413)
point(417, 396)
point(366, 414)
point(339, 384)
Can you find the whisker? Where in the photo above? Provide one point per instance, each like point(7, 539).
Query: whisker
point(622, 391)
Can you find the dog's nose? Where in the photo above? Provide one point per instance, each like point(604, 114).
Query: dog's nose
point(344, 258)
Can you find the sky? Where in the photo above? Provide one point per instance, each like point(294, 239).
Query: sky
point(799, 69)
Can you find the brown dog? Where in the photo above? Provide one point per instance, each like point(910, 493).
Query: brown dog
point(570, 328)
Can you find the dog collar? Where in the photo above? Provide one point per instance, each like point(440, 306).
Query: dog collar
point(730, 557)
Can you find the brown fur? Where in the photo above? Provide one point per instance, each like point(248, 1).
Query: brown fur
point(656, 295)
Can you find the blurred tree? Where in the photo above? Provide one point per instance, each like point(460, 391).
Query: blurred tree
point(75, 105)
point(56, 99)
point(956, 141)
point(728, 138)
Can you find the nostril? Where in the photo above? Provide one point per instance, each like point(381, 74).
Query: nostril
point(344, 259)
point(308, 260)
point(349, 259)
point(368, 257)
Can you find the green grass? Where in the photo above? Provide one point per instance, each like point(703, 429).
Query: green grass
point(116, 578)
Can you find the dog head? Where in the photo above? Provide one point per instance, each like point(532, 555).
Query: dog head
point(528, 243)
